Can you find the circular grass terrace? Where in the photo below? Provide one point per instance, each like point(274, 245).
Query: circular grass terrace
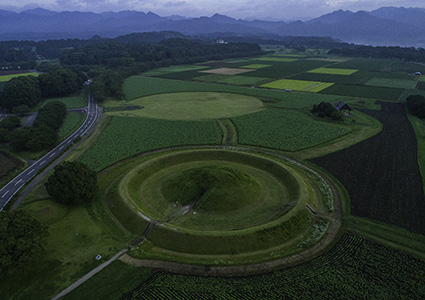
point(215, 206)
point(193, 106)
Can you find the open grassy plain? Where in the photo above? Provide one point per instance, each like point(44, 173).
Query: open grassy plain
point(205, 171)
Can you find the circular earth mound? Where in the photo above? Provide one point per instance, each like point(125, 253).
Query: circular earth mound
point(209, 203)
point(212, 190)
point(193, 106)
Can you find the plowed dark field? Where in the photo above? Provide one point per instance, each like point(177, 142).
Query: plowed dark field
point(381, 174)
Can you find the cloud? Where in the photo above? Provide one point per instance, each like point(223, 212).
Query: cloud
point(175, 4)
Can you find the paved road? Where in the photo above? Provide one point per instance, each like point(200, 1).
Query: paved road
point(10, 189)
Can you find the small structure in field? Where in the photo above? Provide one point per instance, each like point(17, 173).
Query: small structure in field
point(342, 106)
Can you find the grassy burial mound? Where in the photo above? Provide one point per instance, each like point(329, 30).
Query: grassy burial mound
point(214, 204)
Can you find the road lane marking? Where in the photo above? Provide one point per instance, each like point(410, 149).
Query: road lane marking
point(31, 171)
point(42, 162)
point(5, 194)
point(18, 182)
point(61, 148)
point(53, 154)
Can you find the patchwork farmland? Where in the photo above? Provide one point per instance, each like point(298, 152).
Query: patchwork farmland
point(320, 202)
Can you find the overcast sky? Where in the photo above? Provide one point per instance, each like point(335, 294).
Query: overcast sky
point(241, 9)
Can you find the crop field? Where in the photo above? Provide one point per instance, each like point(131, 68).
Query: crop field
point(227, 71)
point(140, 86)
point(374, 92)
point(4, 78)
point(390, 188)
point(285, 130)
point(284, 69)
point(125, 137)
point(353, 269)
point(276, 59)
point(298, 85)
point(392, 83)
point(173, 69)
point(231, 79)
point(353, 80)
point(421, 78)
point(333, 71)
point(255, 66)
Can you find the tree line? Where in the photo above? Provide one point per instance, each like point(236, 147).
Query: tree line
point(408, 54)
point(416, 105)
point(25, 92)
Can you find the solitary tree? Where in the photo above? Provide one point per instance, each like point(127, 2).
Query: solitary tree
point(21, 239)
point(72, 182)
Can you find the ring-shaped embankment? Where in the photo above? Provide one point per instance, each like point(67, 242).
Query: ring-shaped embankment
point(289, 211)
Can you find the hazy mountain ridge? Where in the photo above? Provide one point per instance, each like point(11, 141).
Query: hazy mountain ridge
point(384, 26)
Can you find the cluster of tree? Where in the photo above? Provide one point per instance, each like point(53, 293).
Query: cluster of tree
point(7, 125)
point(416, 105)
point(109, 63)
point(72, 183)
point(44, 132)
point(326, 109)
point(17, 54)
point(21, 238)
point(408, 54)
point(24, 92)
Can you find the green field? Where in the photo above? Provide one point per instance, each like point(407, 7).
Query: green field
point(285, 130)
point(230, 79)
point(126, 136)
point(72, 121)
point(297, 85)
point(192, 106)
point(255, 66)
point(140, 86)
point(75, 101)
point(4, 78)
point(354, 269)
point(392, 83)
point(173, 69)
point(332, 71)
point(276, 59)
point(373, 92)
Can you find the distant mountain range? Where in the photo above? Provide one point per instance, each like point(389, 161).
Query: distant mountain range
point(384, 26)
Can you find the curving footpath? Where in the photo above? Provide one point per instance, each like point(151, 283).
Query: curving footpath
point(10, 189)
